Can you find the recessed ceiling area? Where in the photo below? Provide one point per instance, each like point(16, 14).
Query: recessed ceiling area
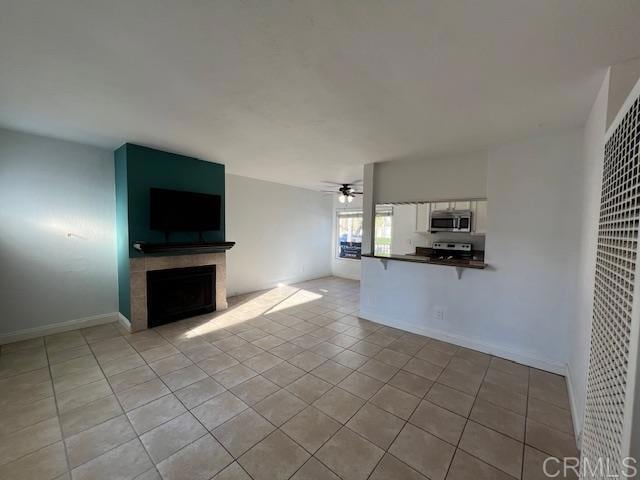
point(304, 91)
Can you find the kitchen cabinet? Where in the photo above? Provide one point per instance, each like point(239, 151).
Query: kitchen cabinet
point(480, 217)
point(422, 217)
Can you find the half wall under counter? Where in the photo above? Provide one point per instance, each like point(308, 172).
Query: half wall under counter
point(477, 311)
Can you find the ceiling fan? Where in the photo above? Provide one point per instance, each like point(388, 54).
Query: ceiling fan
point(346, 191)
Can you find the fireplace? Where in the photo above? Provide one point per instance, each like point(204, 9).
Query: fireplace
point(176, 293)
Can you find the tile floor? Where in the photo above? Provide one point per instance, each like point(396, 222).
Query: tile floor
point(287, 383)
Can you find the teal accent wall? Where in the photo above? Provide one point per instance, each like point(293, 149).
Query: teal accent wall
point(122, 231)
point(137, 170)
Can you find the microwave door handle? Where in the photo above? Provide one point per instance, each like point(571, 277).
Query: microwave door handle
point(456, 223)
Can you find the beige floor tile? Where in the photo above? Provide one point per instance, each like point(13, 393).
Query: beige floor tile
point(393, 400)
point(493, 448)
point(229, 343)
point(100, 332)
point(286, 350)
point(366, 348)
point(500, 419)
point(376, 425)
point(16, 363)
point(339, 404)
point(166, 439)
point(378, 370)
point(280, 407)
point(69, 382)
point(550, 440)
point(393, 358)
point(436, 420)
point(17, 417)
point(314, 470)
point(351, 359)
point(349, 455)
point(142, 394)
point(82, 395)
point(130, 378)
point(170, 364)
point(263, 362)
point(151, 474)
point(390, 468)
point(126, 461)
point(183, 377)
point(510, 382)
point(157, 353)
point(534, 467)
point(549, 388)
point(29, 439)
point(328, 350)
point(550, 415)
point(423, 452)
point(466, 467)
point(73, 366)
point(411, 383)
point(122, 364)
point(155, 413)
point(509, 367)
point(268, 342)
point(45, 464)
point(199, 392)
point(245, 352)
point(434, 356)
point(283, 374)
point(232, 472)
point(97, 440)
point(309, 388)
point(503, 398)
point(361, 385)
point(219, 409)
point(306, 341)
point(200, 352)
point(217, 364)
point(254, 390)
point(69, 354)
point(468, 383)
point(311, 428)
point(89, 415)
point(450, 399)
point(33, 343)
point(233, 376)
point(331, 372)
point(242, 432)
point(307, 360)
point(275, 458)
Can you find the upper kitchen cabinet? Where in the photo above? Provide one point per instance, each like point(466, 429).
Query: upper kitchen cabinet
point(422, 217)
point(479, 219)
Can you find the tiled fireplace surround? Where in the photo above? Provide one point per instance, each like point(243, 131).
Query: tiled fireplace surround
point(138, 268)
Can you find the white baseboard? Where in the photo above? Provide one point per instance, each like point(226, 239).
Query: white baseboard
point(124, 321)
point(524, 358)
point(577, 424)
point(273, 284)
point(59, 327)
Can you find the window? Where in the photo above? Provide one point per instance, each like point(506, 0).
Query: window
point(349, 234)
point(384, 227)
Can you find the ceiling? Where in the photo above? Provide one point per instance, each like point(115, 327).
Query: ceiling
point(302, 91)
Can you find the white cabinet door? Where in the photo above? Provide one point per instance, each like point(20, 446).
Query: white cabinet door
point(422, 217)
point(461, 205)
point(480, 217)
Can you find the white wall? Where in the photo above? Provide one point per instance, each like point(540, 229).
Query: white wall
point(519, 307)
point(57, 232)
point(343, 267)
point(450, 178)
point(580, 322)
point(283, 234)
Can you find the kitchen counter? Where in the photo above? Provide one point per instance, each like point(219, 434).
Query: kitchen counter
point(455, 262)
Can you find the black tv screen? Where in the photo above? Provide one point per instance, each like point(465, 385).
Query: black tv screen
point(173, 210)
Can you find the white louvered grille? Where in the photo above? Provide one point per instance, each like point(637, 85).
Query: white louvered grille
point(613, 295)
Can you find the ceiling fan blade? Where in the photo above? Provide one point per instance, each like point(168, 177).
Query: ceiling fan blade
point(332, 183)
point(357, 193)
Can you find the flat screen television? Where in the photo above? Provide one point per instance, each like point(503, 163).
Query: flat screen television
point(173, 210)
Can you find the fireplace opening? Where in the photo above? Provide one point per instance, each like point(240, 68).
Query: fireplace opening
point(178, 293)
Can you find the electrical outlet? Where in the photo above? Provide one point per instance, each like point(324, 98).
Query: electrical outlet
point(439, 314)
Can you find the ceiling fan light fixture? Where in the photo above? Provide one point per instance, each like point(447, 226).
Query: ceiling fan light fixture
point(350, 199)
point(342, 198)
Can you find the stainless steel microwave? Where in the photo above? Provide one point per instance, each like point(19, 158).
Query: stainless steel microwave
point(450, 221)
